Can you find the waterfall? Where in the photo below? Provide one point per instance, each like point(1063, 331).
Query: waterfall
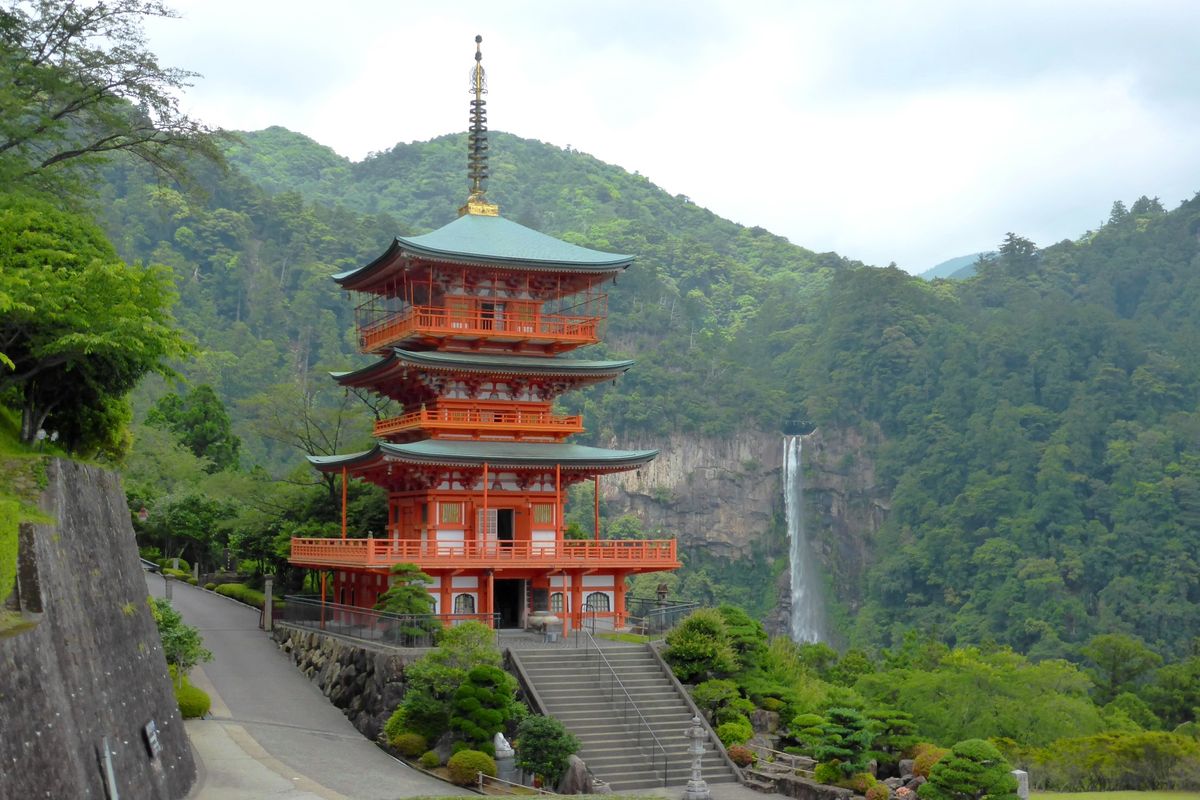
point(805, 621)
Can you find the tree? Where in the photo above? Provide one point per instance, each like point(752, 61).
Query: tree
point(699, 647)
point(82, 327)
point(1120, 660)
point(483, 705)
point(407, 596)
point(844, 741)
point(201, 423)
point(543, 746)
point(972, 770)
point(77, 85)
point(182, 644)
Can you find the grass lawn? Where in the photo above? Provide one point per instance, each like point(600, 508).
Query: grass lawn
point(1114, 795)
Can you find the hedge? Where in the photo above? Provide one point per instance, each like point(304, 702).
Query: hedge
point(244, 594)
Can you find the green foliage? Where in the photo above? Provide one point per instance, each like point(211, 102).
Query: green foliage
point(484, 705)
point(435, 678)
point(201, 424)
point(1148, 760)
point(738, 731)
point(408, 744)
point(543, 746)
point(244, 594)
point(9, 519)
point(845, 739)
point(193, 701)
point(465, 765)
point(894, 734)
point(878, 791)
point(699, 647)
point(183, 647)
point(80, 328)
point(925, 757)
point(713, 694)
point(430, 760)
point(407, 591)
point(973, 694)
point(1120, 660)
point(972, 770)
point(80, 87)
point(828, 774)
point(746, 635)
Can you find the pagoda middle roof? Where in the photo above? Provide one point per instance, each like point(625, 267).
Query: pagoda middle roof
point(496, 454)
point(485, 364)
point(495, 241)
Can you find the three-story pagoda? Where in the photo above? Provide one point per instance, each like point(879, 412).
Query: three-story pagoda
point(471, 323)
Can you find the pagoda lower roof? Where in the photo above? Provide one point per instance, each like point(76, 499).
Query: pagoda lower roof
point(399, 361)
point(477, 240)
point(497, 455)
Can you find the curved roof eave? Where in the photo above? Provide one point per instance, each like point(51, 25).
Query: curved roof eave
point(470, 362)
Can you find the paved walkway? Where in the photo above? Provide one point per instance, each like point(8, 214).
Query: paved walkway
point(272, 733)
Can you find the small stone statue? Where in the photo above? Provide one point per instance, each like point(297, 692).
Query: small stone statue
point(697, 788)
point(503, 748)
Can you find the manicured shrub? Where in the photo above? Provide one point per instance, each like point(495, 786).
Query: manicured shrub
point(827, 772)
point(742, 756)
point(483, 705)
point(859, 782)
point(879, 791)
point(177, 574)
point(925, 759)
point(430, 760)
point(728, 714)
point(395, 724)
point(732, 733)
point(543, 746)
point(191, 580)
point(244, 594)
point(972, 768)
point(845, 738)
point(408, 744)
point(193, 701)
point(210, 586)
point(169, 563)
point(771, 704)
point(465, 765)
point(700, 648)
point(711, 695)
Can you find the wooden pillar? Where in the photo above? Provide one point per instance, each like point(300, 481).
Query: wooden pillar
point(343, 502)
point(558, 504)
point(577, 598)
point(596, 505)
point(444, 604)
point(566, 612)
point(490, 606)
point(324, 575)
point(618, 599)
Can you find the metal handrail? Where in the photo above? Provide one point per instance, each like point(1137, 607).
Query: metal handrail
point(401, 630)
point(615, 681)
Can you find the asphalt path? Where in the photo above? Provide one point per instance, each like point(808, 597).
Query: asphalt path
point(272, 733)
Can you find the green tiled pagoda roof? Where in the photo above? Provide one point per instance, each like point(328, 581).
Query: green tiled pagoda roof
point(496, 454)
point(487, 364)
point(496, 241)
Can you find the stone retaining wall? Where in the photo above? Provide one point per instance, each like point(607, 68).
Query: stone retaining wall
point(366, 682)
point(805, 789)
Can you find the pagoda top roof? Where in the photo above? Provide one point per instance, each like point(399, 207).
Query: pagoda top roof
point(495, 454)
point(486, 364)
point(475, 239)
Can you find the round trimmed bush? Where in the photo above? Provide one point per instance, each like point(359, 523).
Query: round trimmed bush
point(738, 732)
point(926, 758)
point(465, 765)
point(191, 579)
point(860, 782)
point(729, 714)
point(430, 760)
point(193, 702)
point(210, 586)
point(879, 791)
point(409, 744)
point(742, 756)
point(827, 772)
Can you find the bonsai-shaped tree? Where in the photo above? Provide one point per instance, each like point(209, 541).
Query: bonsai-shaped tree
point(844, 741)
point(972, 770)
point(543, 746)
point(699, 648)
point(406, 596)
point(483, 705)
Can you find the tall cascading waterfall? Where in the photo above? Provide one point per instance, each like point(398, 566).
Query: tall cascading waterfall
point(806, 597)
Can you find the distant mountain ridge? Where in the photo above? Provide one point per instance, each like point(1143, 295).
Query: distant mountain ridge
point(957, 268)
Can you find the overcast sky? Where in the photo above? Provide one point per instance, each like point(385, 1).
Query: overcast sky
point(888, 131)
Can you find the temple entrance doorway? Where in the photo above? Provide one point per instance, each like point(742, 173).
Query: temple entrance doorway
point(510, 602)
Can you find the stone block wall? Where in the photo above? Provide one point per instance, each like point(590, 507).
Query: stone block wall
point(92, 668)
point(365, 682)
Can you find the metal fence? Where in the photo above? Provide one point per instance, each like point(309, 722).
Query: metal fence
point(398, 630)
point(652, 615)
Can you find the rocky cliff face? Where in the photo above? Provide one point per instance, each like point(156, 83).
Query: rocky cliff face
point(725, 494)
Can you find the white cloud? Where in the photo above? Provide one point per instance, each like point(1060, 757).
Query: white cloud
point(911, 133)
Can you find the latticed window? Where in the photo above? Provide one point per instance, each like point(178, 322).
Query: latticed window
point(464, 604)
point(543, 514)
point(597, 601)
point(452, 513)
point(556, 602)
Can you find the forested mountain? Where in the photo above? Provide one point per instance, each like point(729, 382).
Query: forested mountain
point(958, 267)
point(1033, 428)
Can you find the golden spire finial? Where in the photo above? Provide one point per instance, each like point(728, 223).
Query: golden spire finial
point(477, 146)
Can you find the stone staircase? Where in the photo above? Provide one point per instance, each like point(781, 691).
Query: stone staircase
point(574, 691)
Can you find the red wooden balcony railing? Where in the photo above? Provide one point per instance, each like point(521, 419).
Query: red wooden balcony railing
point(481, 419)
point(443, 323)
point(620, 553)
